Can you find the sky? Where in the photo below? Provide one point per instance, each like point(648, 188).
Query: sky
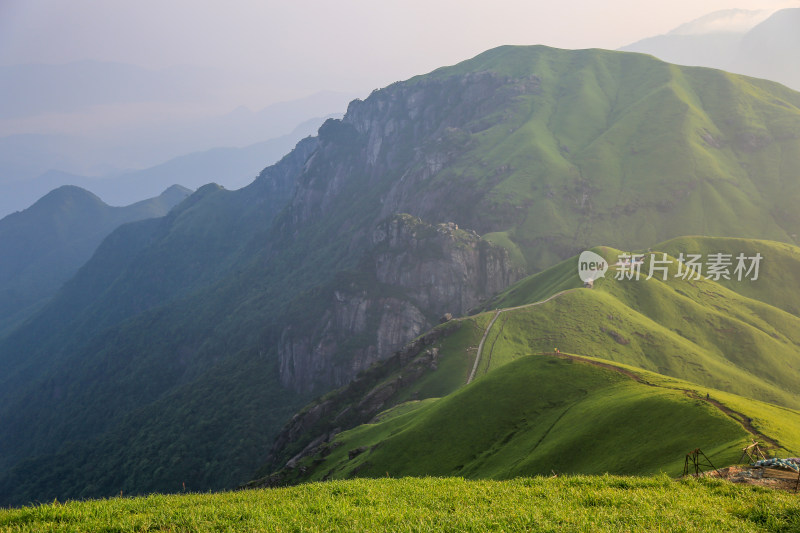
point(210, 58)
point(285, 49)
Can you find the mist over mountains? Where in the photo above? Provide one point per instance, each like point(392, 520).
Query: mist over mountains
point(230, 167)
point(96, 118)
point(45, 245)
point(738, 41)
point(117, 129)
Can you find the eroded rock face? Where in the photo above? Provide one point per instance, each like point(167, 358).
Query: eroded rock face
point(442, 268)
point(420, 272)
point(400, 137)
point(356, 403)
point(355, 332)
point(394, 145)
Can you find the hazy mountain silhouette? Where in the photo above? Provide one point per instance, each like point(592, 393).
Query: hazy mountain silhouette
point(230, 167)
point(44, 245)
point(723, 40)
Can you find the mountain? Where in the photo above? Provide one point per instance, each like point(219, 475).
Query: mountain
point(231, 167)
point(532, 417)
point(766, 50)
point(731, 21)
point(45, 245)
point(176, 354)
point(600, 401)
point(732, 40)
point(112, 139)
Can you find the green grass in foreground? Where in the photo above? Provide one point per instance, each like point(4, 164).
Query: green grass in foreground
point(580, 503)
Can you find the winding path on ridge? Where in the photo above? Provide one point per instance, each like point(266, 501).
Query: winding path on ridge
point(497, 314)
point(741, 418)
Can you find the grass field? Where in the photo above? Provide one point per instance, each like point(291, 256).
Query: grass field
point(539, 415)
point(580, 503)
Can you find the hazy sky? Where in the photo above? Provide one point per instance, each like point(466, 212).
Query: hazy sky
point(301, 46)
point(195, 61)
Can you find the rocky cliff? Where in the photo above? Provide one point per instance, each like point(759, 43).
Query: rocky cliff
point(441, 267)
point(393, 145)
point(417, 272)
point(356, 403)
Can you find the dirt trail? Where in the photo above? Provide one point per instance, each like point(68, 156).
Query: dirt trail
point(740, 418)
point(497, 314)
point(480, 346)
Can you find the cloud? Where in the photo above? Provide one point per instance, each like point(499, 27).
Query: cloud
point(726, 21)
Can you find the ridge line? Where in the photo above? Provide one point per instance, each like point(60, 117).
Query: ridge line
point(494, 319)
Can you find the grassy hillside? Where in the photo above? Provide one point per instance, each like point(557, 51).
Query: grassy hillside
point(578, 503)
point(699, 330)
point(537, 415)
point(542, 414)
point(679, 337)
point(628, 151)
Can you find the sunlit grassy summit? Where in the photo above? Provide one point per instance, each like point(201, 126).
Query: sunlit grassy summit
point(625, 150)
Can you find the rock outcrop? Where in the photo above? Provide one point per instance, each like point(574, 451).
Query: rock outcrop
point(442, 268)
point(400, 138)
point(395, 144)
point(420, 272)
point(353, 333)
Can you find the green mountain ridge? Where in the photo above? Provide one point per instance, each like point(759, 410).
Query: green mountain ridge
point(741, 351)
point(534, 416)
point(44, 245)
point(629, 151)
point(171, 357)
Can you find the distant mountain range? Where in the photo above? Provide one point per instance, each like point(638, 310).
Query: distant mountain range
point(97, 118)
point(181, 348)
point(125, 159)
point(231, 167)
point(45, 245)
point(724, 40)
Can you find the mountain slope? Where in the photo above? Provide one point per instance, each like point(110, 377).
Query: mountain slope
point(534, 416)
point(763, 50)
point(741, 350)
point(695, 330)
point(766, 50)
point(295, 284)
point(613, 148)
point(45, 245)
